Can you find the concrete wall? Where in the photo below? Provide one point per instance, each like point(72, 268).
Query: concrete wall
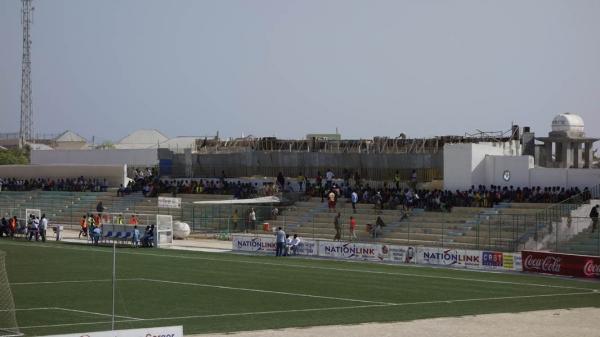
point(132, 158)
point(581, 178)
point(484, 164)
point(464, 164)
point(260, 163)
point(114, 174)
point(518, 166)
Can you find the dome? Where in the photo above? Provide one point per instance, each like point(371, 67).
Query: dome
point(567, 122)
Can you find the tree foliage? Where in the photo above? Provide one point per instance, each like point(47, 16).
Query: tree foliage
point(14, 157)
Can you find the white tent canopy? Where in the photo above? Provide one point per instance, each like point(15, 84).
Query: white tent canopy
point(262, 200)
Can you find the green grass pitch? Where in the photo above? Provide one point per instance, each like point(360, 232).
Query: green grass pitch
point(62, 288)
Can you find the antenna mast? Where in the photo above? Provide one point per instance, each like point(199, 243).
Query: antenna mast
point(25, 131)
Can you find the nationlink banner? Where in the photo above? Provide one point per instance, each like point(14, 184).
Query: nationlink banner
point(167, 331)
point(379, 252)
point(366, 251)
point(267, 244)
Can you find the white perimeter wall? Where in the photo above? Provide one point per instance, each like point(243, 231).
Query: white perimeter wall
point(464, 163)
point(131, 157)
point(484, 164)
point(114, 174)
point(518, 166)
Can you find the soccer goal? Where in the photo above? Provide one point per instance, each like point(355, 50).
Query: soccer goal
point(164, 230)
point(8, 319)
point(36, 212)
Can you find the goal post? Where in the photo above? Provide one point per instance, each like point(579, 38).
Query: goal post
point(8, 319)
point(32, 211)
point(164, 230)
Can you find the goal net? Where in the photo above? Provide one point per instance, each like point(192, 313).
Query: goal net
point(8, 319)
point(32, 211)
point(164, 230)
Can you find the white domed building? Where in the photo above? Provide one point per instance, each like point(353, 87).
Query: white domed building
point(566, 145)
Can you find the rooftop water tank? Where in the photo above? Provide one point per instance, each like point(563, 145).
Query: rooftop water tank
point(567, 122)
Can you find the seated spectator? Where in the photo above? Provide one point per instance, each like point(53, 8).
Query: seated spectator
point(295, 244)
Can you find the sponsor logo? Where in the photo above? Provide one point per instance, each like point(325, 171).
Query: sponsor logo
point(590, 269)
point(492, 259)
point(549, 264)
point(452, 257)
point(349, 250)
point(255, 243)
point(167, 335)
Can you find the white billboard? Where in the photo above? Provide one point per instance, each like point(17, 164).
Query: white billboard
point(167, 331)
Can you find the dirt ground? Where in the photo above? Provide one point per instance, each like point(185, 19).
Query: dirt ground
point(581, 322)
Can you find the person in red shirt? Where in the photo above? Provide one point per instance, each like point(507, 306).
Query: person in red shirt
point(133, 220)
point(353, 228)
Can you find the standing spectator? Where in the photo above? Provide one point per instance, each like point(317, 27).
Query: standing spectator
point(34, 227)
point(354, 199)
point(331, 201)
point(43, 227)
point(4, 228)
point(12, 225)
point(280, 180)
point(413, 179)
point(235, 218)
point(397, 180)
point(594, 217)
point(280, 242)
point(133, 220)
point(300, 181)
point(136, 237)
point(252, 219)
point(100, 208)
point(83, 223)
point(353, 228)
point(329, 178)
point(338, 228)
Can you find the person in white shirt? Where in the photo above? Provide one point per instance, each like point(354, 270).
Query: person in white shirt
point(294, 244)
point(43, 227)
point(34, 230)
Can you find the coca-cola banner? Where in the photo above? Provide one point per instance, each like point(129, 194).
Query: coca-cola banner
point(561, 264)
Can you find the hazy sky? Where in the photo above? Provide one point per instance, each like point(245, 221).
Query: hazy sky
point(287, 68)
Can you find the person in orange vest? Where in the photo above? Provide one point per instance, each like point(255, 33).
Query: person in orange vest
point(84, 227)
point(12, 226)
point(133, 220)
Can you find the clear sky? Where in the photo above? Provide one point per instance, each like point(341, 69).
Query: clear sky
point(104, 68)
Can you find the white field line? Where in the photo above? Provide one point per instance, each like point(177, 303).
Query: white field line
point(297, 266)
point(311, 309)
point(27, 309)
point(71, 310)
point(98, 313)
point(261, 291)
point(56, 282)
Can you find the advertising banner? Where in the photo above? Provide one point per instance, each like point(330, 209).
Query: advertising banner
point(366, 251)
point(167, 331)
point(267, 244)
point(459, 258)
point(491, 260)
point(561, 264)
point(168, 202)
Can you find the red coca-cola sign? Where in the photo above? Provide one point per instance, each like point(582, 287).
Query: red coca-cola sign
point(561, 264)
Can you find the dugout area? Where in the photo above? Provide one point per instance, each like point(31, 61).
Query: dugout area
point(61, 288)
